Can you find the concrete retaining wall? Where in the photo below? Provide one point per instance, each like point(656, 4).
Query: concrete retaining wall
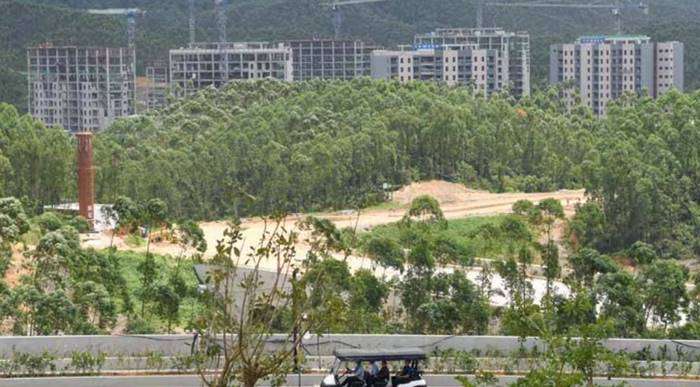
point(180, 345)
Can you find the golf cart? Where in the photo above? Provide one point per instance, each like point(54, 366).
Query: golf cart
point(346, 359)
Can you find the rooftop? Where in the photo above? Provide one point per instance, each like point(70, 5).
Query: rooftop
point(612, 38)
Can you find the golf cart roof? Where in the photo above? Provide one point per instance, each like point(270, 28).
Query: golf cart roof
point(383, 354)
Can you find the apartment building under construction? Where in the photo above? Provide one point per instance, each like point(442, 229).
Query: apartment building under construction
point(214, 64)
point(465, 65)
point(330, 59)
point(508, 53)
point(80, 88)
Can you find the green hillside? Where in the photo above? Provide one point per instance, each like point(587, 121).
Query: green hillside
point(29, 22)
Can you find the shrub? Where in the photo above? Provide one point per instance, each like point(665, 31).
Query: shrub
point(49, 221)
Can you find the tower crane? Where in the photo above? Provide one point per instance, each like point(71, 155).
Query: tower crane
point(192, 26)
point(615, 8)
point(220, 6)
point(336, 6)
point(130, 13)
point(221, 20)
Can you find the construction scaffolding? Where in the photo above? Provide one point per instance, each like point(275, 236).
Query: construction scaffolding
point(82, 89)
point(330, 59)
point(157, 85)
point(215, 64)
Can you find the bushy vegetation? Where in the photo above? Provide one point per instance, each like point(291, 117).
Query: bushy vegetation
point(460, 241)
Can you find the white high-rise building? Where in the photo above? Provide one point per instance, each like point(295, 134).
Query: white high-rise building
point(600, 69)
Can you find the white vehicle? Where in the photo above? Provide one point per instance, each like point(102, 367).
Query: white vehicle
point(406, 361)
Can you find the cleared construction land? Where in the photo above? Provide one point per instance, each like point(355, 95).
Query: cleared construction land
point(455, 200)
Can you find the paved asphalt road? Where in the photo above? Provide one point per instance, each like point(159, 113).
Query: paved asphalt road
point(306, 381)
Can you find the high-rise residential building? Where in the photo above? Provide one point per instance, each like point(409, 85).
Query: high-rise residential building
point(330, 59)
point(214, 64)
point(599, 69)
point(451, 65)
point(510, 52)
point(80, 88)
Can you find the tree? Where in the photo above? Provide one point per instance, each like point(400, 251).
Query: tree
point(523, 207)
point(126, 213)
point(550, 258)
point(587, 263)
point(587, 228)
point(242, 305)
point(522, 317)
point(154, 215)
point(149, 270)
point(621, 303)
point(573, 361)
point(112, 218)
point(167, 304)
point(664, 291)
point(367, 295)
point(13, 224)
point(427, 210)
point(95, 306)
point(387, 252)
point(642, 253)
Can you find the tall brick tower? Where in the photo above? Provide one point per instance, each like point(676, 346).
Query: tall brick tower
point(86, 177)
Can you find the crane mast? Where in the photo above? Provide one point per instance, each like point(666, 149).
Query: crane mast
point(220, 6)
point(336, 6)
point(192, 22)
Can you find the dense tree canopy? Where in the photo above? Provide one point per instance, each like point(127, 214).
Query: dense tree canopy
point(255, 148)
point(267, 146)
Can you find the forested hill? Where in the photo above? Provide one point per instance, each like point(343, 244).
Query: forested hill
point(268, 146)
point(29, 22)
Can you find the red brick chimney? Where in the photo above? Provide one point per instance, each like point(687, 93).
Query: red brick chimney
point(86, 177)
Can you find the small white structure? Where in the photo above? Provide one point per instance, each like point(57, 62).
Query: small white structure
point(101, 223)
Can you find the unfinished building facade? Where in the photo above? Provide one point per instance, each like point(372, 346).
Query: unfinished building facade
point(454, 65)
point(157, 83)
point(330, 59)
point(508, 51)
point(82, 89)
point(215, 64)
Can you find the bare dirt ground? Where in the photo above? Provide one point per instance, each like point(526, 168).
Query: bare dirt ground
point(456, 201)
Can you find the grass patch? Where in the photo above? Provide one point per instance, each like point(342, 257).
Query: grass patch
point(133, 241)
point(385, 206)
point(483, 237)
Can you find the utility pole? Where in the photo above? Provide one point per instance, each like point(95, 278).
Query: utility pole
point(296, 316)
